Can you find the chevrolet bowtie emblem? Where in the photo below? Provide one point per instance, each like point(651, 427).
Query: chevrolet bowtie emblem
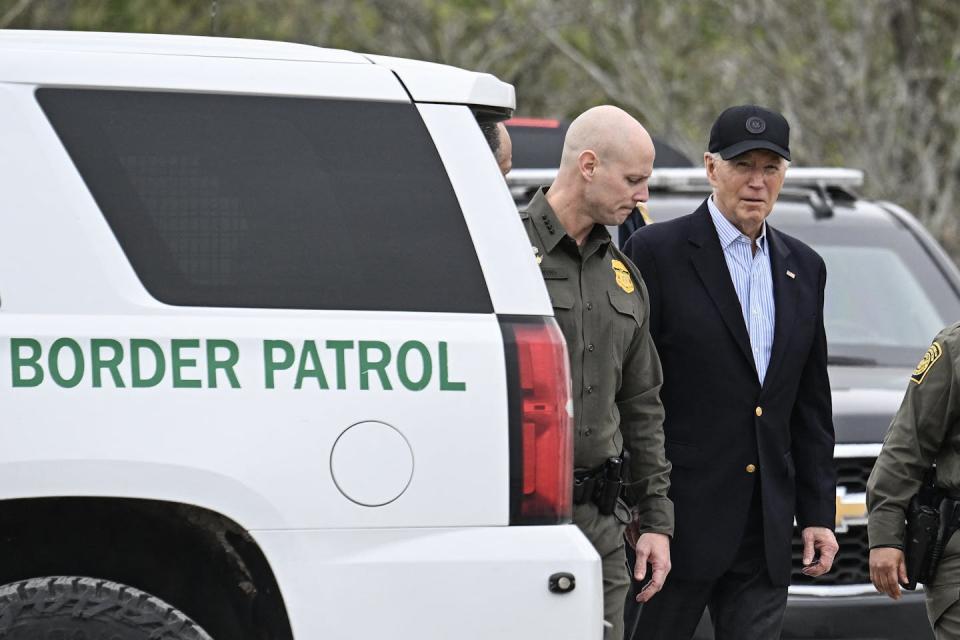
point(851, 509)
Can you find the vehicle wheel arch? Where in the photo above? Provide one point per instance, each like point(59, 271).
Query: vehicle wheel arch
point(200, 561)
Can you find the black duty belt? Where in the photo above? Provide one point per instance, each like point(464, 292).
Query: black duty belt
point(600, 485)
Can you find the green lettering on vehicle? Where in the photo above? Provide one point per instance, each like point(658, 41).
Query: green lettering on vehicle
point(379, 366)
point(402, 354)
point(310, 366)
point(340, 347)
point(178, 362)
point(271, 366)
point(32, 362)
point(137, 381)
point(445, 383)
point(112, 364)
point(54, 362)
point(226, 365)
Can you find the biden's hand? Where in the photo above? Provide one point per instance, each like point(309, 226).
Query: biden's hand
point(819, 549)
point(653, 548)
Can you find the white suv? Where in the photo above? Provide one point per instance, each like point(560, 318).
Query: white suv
point(276, 360)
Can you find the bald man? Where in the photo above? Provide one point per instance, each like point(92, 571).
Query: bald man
point(600, 303)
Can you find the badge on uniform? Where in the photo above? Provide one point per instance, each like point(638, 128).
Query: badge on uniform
point(623, 276)
point(536, 254)
point(932, 355)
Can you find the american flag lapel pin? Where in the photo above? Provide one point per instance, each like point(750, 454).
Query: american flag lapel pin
point(791, 274)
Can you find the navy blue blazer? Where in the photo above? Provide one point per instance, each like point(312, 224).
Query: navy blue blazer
point(719, 419)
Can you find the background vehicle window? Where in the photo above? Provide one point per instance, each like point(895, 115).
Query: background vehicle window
point(885, 299)
point(252, 201)
point(874, 298)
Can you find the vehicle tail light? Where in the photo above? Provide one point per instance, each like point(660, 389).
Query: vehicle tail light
point(541, 432)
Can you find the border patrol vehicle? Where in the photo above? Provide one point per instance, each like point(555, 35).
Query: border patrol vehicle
point(276, 360)
point(890, 289)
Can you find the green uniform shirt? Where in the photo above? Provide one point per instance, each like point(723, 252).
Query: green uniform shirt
point(925, 430)
point(600, 303)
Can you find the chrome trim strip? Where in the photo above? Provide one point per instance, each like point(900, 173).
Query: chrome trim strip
point(871, 450)
point(833, 591)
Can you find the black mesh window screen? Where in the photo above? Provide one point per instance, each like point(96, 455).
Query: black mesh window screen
point(251, 201)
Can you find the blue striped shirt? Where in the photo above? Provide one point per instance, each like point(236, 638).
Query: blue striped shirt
point(753, 281)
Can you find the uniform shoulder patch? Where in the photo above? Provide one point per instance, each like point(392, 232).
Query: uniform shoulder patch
point(622, 275)
point(931, 356)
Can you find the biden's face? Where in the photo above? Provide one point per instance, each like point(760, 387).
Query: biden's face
point(746, 187)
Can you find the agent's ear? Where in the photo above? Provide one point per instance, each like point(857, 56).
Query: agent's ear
point(587, 162)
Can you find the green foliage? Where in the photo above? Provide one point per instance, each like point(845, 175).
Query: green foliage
point(869, 84)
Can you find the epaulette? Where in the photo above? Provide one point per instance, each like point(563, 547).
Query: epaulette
point(952, 329)
point(949, 334)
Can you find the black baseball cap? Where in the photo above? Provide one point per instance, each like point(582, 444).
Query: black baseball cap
point(747, 127)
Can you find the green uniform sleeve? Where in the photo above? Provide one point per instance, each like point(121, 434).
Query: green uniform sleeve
point(641, 423)
point(912, 442)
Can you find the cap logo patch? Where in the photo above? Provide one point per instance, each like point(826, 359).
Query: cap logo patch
point(932, 355)
point(756, 125)
point(622, 275)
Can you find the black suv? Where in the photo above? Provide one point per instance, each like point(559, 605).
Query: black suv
point(890, 289)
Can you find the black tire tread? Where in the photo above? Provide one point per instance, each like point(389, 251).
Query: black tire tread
point(80, 597)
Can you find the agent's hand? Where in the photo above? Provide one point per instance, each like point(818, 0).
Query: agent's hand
point(655, 549)
point(888, 570)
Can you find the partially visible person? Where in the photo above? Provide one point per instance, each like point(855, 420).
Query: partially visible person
point(736, 312)
point(925, 430)
point(600, 303)
point(504, 151)
point(639, 217)
point(498, 138)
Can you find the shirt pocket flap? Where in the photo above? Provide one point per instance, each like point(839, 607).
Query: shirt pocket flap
point(550, 273)
point(560, 297)
point(625, 305)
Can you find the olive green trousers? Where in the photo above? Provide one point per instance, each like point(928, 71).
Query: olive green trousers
point(943, 595)
point(943, 610)
point(605, 533)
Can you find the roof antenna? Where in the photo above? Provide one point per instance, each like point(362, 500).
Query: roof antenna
point(214, 18)
point(821, 201)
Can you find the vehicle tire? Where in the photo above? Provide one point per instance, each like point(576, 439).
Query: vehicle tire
point(74, 608)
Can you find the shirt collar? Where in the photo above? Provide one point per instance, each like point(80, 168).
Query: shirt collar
point(550, 230)
point(728, 233)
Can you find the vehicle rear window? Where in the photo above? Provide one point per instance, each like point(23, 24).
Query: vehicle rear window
point(253, 201)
